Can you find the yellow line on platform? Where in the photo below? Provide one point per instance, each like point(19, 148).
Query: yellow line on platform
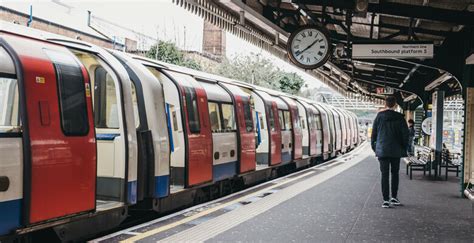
point(211, 210)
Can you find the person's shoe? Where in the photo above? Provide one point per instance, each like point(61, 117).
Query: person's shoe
point(395, 201)
point(385, 204)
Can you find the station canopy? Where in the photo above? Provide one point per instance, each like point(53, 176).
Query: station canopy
point(448, 25)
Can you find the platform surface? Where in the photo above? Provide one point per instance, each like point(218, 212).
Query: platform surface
point(336, 202)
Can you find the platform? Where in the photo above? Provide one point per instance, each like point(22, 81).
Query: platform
point(338, 201)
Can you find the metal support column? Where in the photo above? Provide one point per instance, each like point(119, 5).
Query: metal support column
point(436, 139)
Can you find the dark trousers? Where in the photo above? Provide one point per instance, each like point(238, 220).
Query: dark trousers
point(388, 165)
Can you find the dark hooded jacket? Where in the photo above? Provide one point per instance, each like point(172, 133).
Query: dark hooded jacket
point(389, 135)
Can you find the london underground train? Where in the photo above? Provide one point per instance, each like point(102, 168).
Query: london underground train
point(88, 135)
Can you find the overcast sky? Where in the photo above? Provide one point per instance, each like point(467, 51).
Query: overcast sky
point(157, 18)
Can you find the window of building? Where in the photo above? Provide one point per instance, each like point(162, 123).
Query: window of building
point(72, 94)
point(192, 110)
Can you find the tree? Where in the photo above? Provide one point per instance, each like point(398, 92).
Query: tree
point(260, 71)
point(168, 52)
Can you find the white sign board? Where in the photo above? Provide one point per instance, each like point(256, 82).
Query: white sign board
point(369, 51)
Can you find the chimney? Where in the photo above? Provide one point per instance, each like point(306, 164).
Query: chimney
point(213, 40)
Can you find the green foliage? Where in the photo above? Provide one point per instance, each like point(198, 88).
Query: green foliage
point(168, 52)
point(260, 71)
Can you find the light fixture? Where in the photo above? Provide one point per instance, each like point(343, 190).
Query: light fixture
point(443, 78)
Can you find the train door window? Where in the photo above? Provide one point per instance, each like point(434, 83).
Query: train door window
point(281, 118)
point(214, 116)
point(135, 106)
point(248, 115)
point(9, 102)
point(271, 117)
point(71, 92)
point(228, 118)
point(105, 104)
point(288, 125)
point(192, 109)
point(303, 123)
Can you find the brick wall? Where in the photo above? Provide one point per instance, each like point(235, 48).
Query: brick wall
point(213, 40)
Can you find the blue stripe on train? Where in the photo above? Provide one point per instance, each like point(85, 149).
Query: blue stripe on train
point(132, 192)
point(224, 171)
point(10, 214)
point(285, 157)
point(162, 186)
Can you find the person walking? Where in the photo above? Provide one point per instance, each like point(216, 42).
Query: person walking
point(389, 141)
point(411, 137)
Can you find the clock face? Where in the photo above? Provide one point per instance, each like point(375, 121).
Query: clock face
point(308, 47)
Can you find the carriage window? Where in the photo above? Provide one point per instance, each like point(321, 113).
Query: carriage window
point(228, 121)
point(72, 94)
point(288, 124)
point(214, 116)
point(192, 109)
point(135, 106)
point(248, 115)
point(271, 117)
point(9, 103)
point(105, 104)
point(281, 118)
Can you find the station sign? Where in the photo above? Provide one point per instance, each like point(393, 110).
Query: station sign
point(399, 50)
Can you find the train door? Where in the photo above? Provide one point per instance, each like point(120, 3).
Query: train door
point(224, 131)
point(344, 131)
point(262, 131)
point(245, 127)
point(11, 146)
point(332, 129)
point(59, 148)
point(198, 158)
point(338, 128)
point(307, 132)
point(286, 129)
point(296, 133)
point(115, 114)
point(269, 110)
point(152, 129)
point(176, 129)
point(321, 125)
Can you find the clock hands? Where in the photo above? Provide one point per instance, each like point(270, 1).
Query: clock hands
point(312, 44)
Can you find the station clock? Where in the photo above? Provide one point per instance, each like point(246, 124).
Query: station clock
point(309, 47)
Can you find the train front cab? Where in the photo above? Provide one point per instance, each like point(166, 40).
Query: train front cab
point(47, 138)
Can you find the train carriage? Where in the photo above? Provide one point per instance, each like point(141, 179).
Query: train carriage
point(112, 132)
